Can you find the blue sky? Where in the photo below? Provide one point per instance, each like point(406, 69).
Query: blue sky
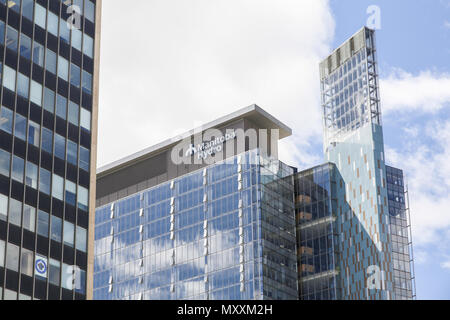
point(414, 37)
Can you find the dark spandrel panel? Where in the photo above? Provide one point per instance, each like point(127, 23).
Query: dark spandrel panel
point(76, 57)
point(71, 213)
point(60, 167)
point(64, 49)
point(69, 255)
point(35, 113)
point(48, 120)
point(27, 27)
point(26, 285)
point(85, 140)
point(43, 3)
point(89, 28)
point(31, 196)
point(52, 42)
point(63, 87)
point(53, 292)
point(12, 280)
point(8, 98)
point(50, 80)
point(22, 106)
point(17, 190)
point(72, 173)
point(88, 64)
point(6, 141)
point(25, 66)
point(15, 235)
point(57, 208)
point(2, 277)
point(39, 34)
point(29, 240)
point(74, 133)
point(3, 13)
point(42, 245)
point(84, 179)
point(40, 289)
point(4, 185)
point(14, 19)
point(83, 219)
point(67, 295)
point(11, 59)
point(20, 148)
point(81, 260)
point(46, 161)
point(61, 126)
point(79, 296)
point(75, 94)
point(38, 73)
point(54, 6)
point(33, 154)
point(3, 230)
point(55, 250)
point(87, 101)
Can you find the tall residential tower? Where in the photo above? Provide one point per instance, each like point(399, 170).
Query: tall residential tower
point(49, 51)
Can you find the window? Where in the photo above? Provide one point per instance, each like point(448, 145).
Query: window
point(2, 253)
point(2, 32)
point(60, 147)
point(49, 100)
point(88, 46)
point(61, 107)
point(18, 166)
point(23, 82)
point(36, 93)
point(80, 281)
point(27, 9)
point(50, 62)
point(38, 54)
point(3, 207)
point(12, 257)
point(81, 239)
point(52, 26)
point(27, 262)
point(44, 181)
point(9, 78)
point(72, 155)
point(6, 120)
point(5, 163)
point(83, 198)
point(75, 75)
point(87, 82)
point(20, 127)
point(12, 37)
point(31, 175)
point(14, 5)
point(53, 272)
point(71, 193)
point(63, 68)
point(64, 31)
point(85, 119)
point(56, 231)
point(76, 39)
point(9, 294)
point(89, 10)
point(84, 158)
point(47, 140)
point(58, 187)
point(15, 212)
point(25, 46)
point(69, 234)
point(74, 111)
point(42, 223)
point(40, 16)
point(33, 133)
point(67, 277)
point(29, 218)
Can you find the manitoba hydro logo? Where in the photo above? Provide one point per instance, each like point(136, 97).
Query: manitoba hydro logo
point(206, 149)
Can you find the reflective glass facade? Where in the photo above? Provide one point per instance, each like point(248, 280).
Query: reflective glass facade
point(47, 104)
point(222, 232)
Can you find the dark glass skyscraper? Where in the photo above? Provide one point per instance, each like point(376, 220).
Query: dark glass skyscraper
point(49, 53)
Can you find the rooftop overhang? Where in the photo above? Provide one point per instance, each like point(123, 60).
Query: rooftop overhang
point(253, 113)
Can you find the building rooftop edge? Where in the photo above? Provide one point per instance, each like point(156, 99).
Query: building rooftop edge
point(251, 112)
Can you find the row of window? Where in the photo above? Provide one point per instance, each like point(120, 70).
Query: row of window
point(28, 173)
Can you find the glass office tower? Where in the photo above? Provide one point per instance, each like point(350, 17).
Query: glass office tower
point(222, 232)
point(48, 114)
point(353, 141)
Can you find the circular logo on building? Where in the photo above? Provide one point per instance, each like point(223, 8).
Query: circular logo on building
point(41, 267)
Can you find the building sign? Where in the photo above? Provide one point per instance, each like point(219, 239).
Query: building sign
point(206, 149)
point(40, 266)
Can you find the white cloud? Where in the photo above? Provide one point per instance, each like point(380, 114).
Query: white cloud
point(447, 24)
point(445, 265)
point(426, 92)
point(168, 65)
